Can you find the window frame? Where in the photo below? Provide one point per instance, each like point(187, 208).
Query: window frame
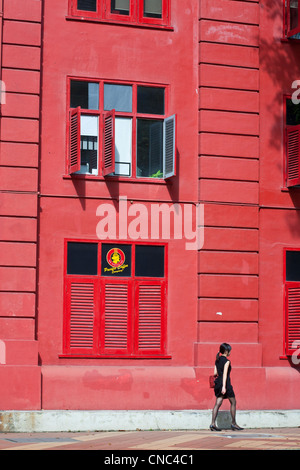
point(135, 17)
point(74, 11)
point(290, 180)
point(108, 15)
point(287, 350)
point(99, 283)
point(133, 115)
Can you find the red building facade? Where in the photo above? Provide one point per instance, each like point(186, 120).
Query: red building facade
point(124, 126)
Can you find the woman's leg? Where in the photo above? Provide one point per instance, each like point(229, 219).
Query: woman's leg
point(234, 426)
point(232, 409)
point(218, 403)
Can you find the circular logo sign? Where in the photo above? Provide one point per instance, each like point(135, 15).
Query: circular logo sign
point(115, 257)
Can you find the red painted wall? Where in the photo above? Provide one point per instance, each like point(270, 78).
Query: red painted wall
point(19, 125)
point(227, 68)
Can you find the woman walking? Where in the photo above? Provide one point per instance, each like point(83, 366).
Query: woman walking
point(223, 388)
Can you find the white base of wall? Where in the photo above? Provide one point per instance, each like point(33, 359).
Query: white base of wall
point(82, 421)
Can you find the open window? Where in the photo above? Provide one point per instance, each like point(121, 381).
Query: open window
point(115, 300)
point(292, 143)
point(120, 129)
point(292, 301)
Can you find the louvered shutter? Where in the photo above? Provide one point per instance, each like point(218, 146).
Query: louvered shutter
point(150, 318)
point(81, 316)
point(116, 297)
point(74, 144)
point(293, 155)
point(292, 322)
point(108, 166)
point(169, 147)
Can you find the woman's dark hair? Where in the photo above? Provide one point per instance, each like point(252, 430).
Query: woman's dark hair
point(223, 348)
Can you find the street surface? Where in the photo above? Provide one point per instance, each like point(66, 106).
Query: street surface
point(158, 447)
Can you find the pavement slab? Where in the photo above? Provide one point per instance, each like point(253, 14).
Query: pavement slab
point(154, 443)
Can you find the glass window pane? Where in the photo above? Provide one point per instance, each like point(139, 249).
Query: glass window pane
point(123, 146)
point(153, 8)
point(149, 261)
point(121, 7)
point(84, 94)
point(89, 145)
point(293, 265)
point(292, 113)
point(115, 260)
point(87, 5)
point(293, 14)
point(82, 258)
point(150, 100)
point(149, 148)
point(118, 97)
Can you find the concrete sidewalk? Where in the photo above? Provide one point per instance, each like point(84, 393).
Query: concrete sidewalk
point(180, 445)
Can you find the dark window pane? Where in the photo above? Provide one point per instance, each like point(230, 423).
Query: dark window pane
point(153, 8)
point(293, 265)
point(84, 94)
point(149, 261)
point(149, 148)
point(150, 100)
point(116, 260)
point(82, 258)
point(292, 113)
point(293, 14)
point(121, 7)
point(87, 5)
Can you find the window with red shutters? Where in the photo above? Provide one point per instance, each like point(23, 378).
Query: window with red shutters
point(293, 155)
point(291, 142)
point(115, 302)
point(120, 129)
point(292, 301)
point(81, 316)
point(292, 319)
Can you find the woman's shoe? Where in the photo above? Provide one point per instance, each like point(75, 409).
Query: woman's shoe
point(214, 428)
point(235, 427)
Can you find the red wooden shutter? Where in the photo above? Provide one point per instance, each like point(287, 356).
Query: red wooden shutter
point(81, 316)
point(292, 323)
point(169, 147)
point(150, 321)
point(116, 337)
point(74, 144)
point(108, 166)
point(293, 155)
point(292, 30)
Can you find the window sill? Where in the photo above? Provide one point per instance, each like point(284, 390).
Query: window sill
point(290, 40)
point(121, 179)
point(117, 356)
point(120, 23)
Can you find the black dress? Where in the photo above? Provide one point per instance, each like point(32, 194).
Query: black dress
point(220, 364)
